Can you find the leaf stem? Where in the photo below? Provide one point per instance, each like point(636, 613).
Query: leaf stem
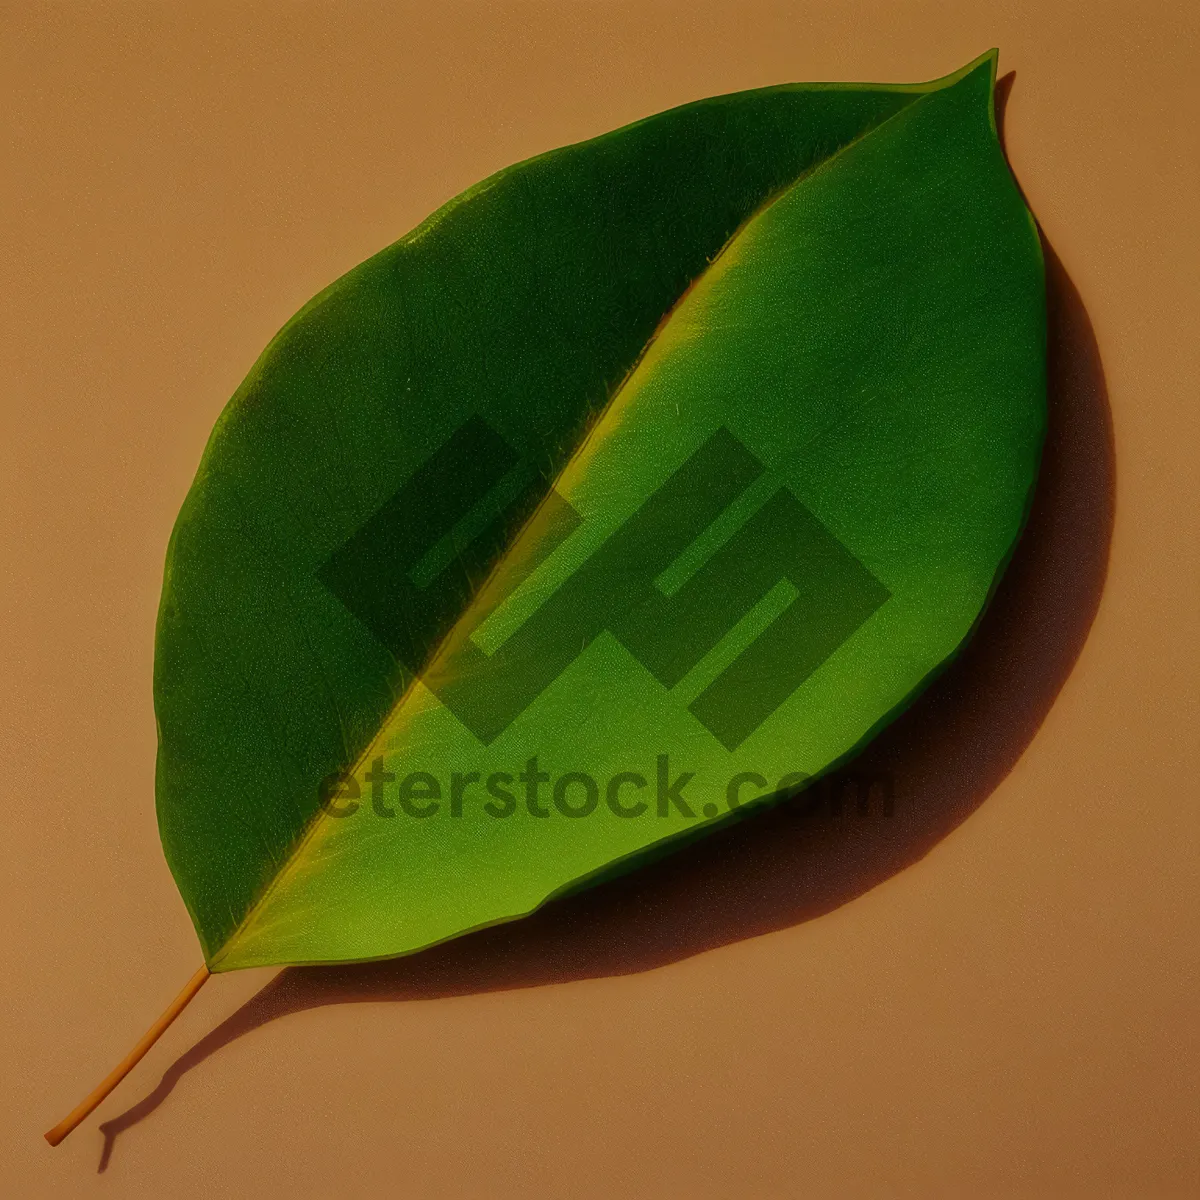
point(131, 1060)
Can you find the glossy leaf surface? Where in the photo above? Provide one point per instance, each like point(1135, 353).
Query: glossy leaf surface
point(692, 450)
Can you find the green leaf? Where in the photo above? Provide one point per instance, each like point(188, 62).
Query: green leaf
point(678, 461)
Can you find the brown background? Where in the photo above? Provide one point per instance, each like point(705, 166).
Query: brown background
point(1015, 1014)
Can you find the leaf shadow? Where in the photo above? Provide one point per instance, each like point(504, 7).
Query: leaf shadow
point(807, 856)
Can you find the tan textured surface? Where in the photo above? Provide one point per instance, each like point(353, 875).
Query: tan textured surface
point(1015, 1014)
